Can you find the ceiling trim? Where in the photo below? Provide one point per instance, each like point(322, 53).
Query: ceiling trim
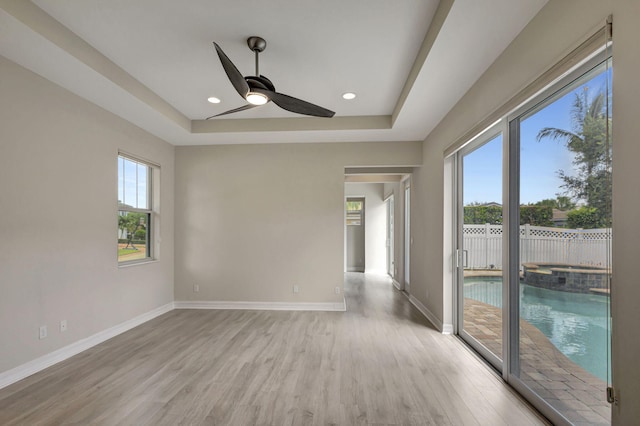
point(457, 34)
point(444, 6)
point(352, 171)
point(291, 124)
point(373, 179)
point(39, 21)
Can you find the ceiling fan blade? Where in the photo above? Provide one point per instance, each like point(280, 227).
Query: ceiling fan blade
point(295, 105)
point(234, 75)
point(231, 111)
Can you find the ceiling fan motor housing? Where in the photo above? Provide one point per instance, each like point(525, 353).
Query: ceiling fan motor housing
point(260, 82)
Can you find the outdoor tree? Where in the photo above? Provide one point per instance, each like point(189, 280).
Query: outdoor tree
point(564, 203)
point(589, 142)
point(561, 203)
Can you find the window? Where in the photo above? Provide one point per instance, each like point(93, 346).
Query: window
point(354, 213)
point(134, 210)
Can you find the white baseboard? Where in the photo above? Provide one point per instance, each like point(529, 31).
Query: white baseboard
point(261, 306)
point(25, 370)
point(428, 314)
point(396, 284)
point(447, 328)
point(376, 271)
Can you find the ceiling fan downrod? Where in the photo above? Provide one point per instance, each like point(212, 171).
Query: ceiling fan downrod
point(257, 44)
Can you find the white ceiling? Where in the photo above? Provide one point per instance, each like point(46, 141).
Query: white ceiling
point(152, 62)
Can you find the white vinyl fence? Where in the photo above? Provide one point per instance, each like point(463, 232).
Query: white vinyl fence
point(483, 245)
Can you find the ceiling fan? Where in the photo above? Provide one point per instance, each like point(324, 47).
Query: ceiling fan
point(258, 89)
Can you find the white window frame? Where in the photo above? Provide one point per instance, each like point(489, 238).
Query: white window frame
point(153, 172)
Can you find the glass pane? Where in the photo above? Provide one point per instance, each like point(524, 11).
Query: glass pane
point(120, 180)
point(482, 245)
point(130, 183)
point(133, 239)
point(354, 206)
point(354, 213)
point(565, 236)
point(142, 199)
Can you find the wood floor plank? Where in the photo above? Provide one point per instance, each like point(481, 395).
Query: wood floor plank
point(380, 362)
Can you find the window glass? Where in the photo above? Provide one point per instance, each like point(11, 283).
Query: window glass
point(134, 210)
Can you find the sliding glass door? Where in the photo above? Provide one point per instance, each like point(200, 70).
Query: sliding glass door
point(562, 235)
point(533, 246)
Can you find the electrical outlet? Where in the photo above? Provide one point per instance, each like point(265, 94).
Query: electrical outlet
point(337, 290)
point(196, 288)
point(296, 289)
point(63, 326)
point(43, 332)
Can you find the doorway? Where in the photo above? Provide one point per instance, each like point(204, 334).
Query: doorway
point(355, 235)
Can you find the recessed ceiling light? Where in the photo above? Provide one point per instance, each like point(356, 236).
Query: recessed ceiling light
point(214, 100)
point(348, 95)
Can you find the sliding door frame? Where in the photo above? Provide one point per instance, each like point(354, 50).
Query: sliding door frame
point(592, 66)
point(509, 127)
point(474, 144)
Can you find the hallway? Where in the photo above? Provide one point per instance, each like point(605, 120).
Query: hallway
point(380, 362)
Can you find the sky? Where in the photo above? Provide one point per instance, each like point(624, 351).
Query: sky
point(132, 183)
point(539, 161)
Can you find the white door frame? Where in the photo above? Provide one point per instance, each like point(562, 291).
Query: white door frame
point(391, 264)
point(407, 236)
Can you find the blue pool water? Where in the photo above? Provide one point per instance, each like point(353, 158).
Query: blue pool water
point(577, 324)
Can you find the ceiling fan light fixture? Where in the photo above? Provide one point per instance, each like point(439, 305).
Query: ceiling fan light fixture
point(348, 96)
point(213, 100)
point(256, 98)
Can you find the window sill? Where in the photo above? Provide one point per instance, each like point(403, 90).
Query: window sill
point(137, 263)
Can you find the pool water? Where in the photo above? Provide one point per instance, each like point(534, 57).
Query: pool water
point(576, 323)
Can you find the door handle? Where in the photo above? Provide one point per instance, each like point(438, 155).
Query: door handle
point(462, 258)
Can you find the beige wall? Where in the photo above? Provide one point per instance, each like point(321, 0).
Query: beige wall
point(559, 27)
point(58, 233)
point(626, 208)
point(255, 220)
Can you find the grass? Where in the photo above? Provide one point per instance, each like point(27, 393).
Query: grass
point(122, 252)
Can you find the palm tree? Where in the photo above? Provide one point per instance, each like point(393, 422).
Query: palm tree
point(589, 141)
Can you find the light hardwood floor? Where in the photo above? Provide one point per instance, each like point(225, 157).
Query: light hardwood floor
point(378, 363)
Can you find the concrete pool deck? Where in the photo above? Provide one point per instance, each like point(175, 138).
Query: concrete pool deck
point(576, 393)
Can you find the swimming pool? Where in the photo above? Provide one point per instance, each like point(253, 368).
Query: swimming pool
point(577, 324)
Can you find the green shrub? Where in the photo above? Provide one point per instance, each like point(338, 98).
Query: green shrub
point(479, 215)
point(585, 218)
point(536, 215)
